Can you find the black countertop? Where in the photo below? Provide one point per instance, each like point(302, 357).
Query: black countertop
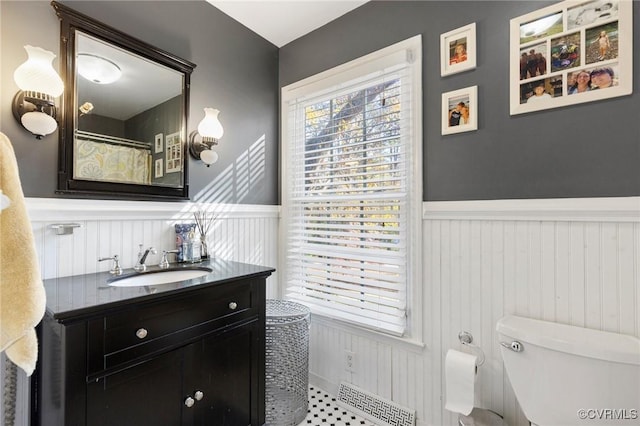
point(81, 296)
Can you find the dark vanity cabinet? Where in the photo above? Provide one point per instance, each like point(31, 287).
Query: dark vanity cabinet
point(192, 355)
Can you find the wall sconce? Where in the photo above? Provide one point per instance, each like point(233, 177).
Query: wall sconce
point(33, 106)
point(206, 137)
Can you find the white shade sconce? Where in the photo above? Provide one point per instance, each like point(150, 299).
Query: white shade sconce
point(34, 104)
point(206, 137)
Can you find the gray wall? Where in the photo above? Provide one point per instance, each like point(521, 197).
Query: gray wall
point(162, 118)
point(586, 150)
point(236, 73)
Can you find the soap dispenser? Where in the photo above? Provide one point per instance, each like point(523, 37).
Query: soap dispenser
point(195, 248)
point(187, 248)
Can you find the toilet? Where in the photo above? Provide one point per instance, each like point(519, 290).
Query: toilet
point(481, 417)
point(567, 375)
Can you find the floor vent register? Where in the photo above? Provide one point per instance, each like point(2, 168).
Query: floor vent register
point(374, 408)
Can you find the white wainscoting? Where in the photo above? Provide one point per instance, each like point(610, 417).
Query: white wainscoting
point(571, 261)
point(243, 233)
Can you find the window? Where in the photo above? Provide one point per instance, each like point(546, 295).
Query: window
point(353, 188)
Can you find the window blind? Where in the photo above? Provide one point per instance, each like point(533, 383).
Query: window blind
point(349, 186)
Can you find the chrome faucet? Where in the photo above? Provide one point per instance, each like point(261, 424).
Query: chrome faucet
point(116, 269)
point(164, 263)
point(142, 257)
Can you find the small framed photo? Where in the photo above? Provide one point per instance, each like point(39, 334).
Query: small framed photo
point(460, 110)
point(159, 145)
point(570, 53)
point(173, 153)
point(458, 50)
point(159, 168)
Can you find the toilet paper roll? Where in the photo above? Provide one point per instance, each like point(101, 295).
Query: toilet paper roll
point(460, 378)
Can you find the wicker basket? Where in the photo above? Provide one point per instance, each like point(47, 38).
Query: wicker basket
point(287, 363)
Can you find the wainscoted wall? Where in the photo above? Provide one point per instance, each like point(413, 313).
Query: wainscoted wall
point(243, 233)
point(571, 261)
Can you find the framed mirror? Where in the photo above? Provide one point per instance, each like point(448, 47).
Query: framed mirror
point(124, 114)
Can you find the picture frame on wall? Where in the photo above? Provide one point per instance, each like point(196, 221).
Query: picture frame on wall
point(158, 168)
point(173, 154)
point(159, 143)
point(458, 50)
point(570, 53)
point(460, 110)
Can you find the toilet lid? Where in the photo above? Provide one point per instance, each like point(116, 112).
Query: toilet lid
point(481, 417)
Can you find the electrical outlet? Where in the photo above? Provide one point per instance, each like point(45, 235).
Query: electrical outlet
point(349, 361)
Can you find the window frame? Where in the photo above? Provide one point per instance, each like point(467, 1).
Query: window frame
point(409, 51)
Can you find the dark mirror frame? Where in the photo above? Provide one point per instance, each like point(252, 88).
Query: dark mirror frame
point(70, 22)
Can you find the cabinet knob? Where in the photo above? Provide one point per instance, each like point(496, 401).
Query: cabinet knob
point(189, 402)
point(198, 395)
point(233, 305)
point(141, 333)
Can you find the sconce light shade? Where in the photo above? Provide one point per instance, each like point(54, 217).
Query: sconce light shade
point(39, 123)
point(37, 73)
point(210, 126)
point(202, 141)
point(33, 106)
point(208, 156)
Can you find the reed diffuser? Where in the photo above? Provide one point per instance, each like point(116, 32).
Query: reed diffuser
point(203, 223)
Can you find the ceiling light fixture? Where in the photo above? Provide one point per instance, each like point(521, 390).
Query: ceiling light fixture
point(97, 69)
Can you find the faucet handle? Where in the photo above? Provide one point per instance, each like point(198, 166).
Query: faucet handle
point(164, 263)
point(140, 265)
point(116, 270)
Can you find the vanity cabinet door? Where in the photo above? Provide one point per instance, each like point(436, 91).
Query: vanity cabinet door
point(226, 372)
point(149, 393)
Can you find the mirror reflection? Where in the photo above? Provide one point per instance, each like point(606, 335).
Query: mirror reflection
point(128, 117)
point(124, 115)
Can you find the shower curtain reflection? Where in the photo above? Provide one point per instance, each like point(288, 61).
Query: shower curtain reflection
point(113, 160)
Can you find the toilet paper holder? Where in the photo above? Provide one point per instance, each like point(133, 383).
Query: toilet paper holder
point(467, 339)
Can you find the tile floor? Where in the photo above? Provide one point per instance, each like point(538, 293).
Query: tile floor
point(323, 411)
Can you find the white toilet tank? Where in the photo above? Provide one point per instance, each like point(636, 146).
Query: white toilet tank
point(566, 375)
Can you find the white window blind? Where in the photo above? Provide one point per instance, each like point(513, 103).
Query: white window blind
point(350, 189)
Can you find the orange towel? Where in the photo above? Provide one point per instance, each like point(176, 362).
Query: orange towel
point(22, 297)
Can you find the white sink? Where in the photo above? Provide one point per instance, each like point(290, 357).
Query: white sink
point(160, 277)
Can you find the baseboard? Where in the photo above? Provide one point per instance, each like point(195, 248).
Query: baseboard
point(323, 383)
